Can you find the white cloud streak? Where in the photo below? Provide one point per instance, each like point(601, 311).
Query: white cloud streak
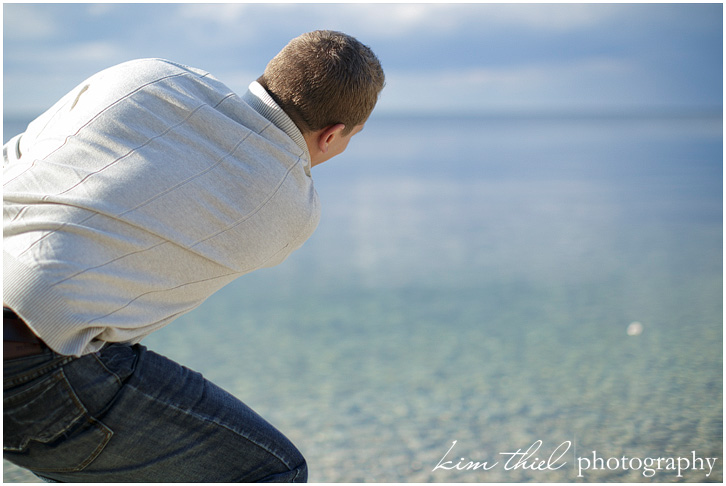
point(24, 22)
point(589, 83)
point(381, 20)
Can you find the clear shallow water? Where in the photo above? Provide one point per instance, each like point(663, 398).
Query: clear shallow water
point(472, 280)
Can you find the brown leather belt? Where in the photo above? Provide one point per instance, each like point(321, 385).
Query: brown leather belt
point(18, 339)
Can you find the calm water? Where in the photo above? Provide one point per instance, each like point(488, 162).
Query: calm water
point(473, 280)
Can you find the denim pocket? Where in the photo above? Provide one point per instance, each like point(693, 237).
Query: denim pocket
point(65, 439)
point(119, 360)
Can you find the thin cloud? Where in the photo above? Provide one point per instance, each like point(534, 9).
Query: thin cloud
point(549, 17)
point(582, 84)
point(22, 22)
point(386, 21)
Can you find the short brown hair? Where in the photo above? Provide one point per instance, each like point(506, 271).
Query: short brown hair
point(324, 77)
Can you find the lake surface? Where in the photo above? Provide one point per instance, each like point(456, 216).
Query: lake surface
point(478, 285)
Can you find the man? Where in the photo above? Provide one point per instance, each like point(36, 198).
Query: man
point(135, 197)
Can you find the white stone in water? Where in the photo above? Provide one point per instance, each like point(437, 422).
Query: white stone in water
point(635, 329)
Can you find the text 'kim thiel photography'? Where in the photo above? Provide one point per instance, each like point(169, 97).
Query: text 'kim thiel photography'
point(536, 458)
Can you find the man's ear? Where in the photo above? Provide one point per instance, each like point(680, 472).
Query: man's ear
point(327, 136)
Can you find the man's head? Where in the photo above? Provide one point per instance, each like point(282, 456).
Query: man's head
point(325, 79)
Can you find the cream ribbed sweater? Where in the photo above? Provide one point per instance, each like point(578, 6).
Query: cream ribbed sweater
point(142, 192)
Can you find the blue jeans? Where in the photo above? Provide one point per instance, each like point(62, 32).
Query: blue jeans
point(126, 414)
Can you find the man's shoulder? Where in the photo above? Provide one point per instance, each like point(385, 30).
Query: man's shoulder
point(141, 69)
point(155, 82)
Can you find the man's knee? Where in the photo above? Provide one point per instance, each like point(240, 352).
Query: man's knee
point(301, 473)
point(297, 474)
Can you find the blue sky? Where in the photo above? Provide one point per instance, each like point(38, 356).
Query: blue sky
point(437, 57)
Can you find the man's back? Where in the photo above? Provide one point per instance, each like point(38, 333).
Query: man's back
point(144, 190)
